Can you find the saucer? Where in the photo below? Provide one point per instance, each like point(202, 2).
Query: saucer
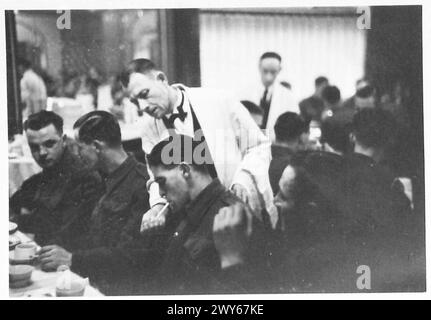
point(13, 227)
point(13, 242)
point(14, 261)
point(20, 283)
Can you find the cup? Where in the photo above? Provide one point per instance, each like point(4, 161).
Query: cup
point(25, 251)
point(76, 289)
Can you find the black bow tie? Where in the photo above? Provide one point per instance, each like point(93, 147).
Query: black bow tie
point(180, 115)
point(169, 123)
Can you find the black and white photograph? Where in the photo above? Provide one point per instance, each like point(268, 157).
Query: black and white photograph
point(186, 150)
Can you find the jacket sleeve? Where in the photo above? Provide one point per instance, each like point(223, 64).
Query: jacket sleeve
point(255, 149)
point(128, 254)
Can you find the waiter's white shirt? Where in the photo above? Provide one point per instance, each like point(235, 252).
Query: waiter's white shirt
point(238, 147)
point(282, 100)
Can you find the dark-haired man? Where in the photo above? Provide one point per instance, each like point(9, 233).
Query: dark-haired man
point(312, 107)
point(275, 98)
point(55, 204)
point(331, 99)
point(113, 253)
point(191, 263)
point(291, 135)
point(239, 150)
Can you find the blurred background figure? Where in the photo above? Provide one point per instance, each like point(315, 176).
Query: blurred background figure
point(276, 98)
point(312, 107)
point(291, 136)
point(33, 89)
point(335, 136)
point(331, 97)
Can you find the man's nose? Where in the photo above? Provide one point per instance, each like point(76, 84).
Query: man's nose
point(43, 151)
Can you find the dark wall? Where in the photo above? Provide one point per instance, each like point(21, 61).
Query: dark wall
point(394, 53)
point(13, 90)
point(185, 46)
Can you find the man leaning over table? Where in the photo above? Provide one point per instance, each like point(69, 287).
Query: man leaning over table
point(240, 151)
point(55, 205)
point(114, 248)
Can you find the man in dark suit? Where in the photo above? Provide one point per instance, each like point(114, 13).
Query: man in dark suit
point(291, 135)
point(312, 107)
point(55, 204)
point(114, 251)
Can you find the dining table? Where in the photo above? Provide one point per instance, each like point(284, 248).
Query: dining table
point(43, 284)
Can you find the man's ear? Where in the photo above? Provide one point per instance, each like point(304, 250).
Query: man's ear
point(63, 139)
point(352, 138)
point(185, 169)
point(98, 145)
point(161, 76)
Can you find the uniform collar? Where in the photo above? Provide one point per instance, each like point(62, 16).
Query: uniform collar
point(197, 209)
point(118, 174)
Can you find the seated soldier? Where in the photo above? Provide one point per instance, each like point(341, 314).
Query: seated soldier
point(328, 231)
point(191, 263)
point(113, 253)
point(55, 204)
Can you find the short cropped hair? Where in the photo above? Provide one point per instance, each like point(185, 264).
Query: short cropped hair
point(99, 125)
point(320, 80)
point(183, 150)
point(270, 55)
point(331, 94)
point(42, 119)
point(289, 126)
point(335, 132)
point(373, 127)
point(142, 65)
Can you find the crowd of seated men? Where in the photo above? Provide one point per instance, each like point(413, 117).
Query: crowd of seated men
point(294, 218)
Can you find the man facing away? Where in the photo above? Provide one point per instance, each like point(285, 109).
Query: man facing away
point(55, 204)
point(313, 106)
point(291, 136)
point(113, 254)
point(240, 151)
point(276, 98)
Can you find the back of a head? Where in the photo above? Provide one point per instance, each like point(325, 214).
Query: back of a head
point(331, 94)
point(177, 149)
point(335, 132)
point(321, 81)
point(373, 127)
point(99, 125)
point(42, 119)
point(270, 54)
point(141, 65)
point(289, 126)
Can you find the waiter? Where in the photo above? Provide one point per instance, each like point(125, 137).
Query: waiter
point(240, 152)
point(275, 98)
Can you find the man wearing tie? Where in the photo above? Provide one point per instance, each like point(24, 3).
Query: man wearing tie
point(240, 152)
point(276, 98)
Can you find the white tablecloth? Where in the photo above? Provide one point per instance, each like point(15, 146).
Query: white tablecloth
point(45, 282)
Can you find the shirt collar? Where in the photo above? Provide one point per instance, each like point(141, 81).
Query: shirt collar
point(197, 209)
point(183, 101)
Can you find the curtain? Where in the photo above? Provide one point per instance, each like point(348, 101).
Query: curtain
point(310, 46)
